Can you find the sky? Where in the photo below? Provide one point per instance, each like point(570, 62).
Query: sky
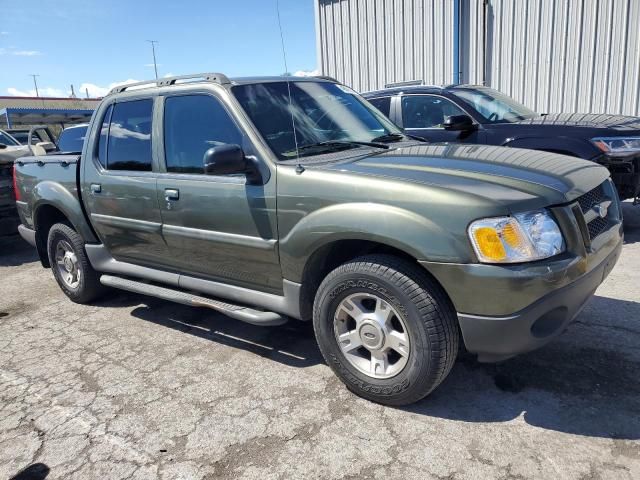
point(97, 44)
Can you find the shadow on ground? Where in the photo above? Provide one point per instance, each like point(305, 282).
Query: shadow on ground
point(291, 344)
point(36, 471)
point(573, 385)
point(14, 251)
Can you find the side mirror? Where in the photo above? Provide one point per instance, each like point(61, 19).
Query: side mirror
point(224, 160)
point(460, 123)
point(2, 146)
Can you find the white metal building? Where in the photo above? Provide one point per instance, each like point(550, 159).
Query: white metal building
point(552, 55)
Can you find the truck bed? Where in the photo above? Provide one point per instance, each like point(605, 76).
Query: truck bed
point(57, 173)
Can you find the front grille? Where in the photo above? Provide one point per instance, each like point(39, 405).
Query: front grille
point(597, 226)
point(591, 198)
point(595, 197)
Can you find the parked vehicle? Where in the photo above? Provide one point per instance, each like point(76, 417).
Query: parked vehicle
point(392, 247)
point(476, 114)
point(10, 149)
point(71, 138)
point(41, 136)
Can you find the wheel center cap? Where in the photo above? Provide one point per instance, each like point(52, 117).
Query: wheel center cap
point(68, 264)
point(371, 335)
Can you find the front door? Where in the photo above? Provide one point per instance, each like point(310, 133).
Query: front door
point(119, 188)
point(424, 116)
point(217, 227)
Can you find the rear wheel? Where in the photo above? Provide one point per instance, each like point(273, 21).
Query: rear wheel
point(386, 329)
point(70, 265)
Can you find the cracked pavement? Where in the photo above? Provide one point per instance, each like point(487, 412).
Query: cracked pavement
point(137, 388)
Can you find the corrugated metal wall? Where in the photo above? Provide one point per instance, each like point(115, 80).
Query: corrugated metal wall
point(368, 43)
point(552, 55)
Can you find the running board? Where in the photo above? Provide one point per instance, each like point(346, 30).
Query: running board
point(238, 312)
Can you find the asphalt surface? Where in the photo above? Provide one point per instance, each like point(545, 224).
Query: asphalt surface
point(137, 388)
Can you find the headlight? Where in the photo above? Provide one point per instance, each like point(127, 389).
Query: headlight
point(617, 145)
point(521, 238)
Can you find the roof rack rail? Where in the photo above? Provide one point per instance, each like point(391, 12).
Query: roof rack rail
point(164, 82)
point(326, 77)
point(410, 83)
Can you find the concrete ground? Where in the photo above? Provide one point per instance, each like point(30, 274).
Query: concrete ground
point(137, 388)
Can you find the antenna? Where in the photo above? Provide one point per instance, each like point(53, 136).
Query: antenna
point(153, 50)
point(286, 69)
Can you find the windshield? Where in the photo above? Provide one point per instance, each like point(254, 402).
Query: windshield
point(71, 139)
point(494, 106)
point(324, 113)
point(7, 139)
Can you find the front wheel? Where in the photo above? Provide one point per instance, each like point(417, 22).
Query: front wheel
point(386, 329)
point(71, 268)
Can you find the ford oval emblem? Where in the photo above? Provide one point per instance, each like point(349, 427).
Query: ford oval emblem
point(601, 209)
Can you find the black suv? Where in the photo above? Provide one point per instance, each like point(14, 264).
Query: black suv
point(477, 114)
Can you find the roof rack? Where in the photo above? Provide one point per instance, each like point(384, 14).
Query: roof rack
point(410, 83)
point(164, 82)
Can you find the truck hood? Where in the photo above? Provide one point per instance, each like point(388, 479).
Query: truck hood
point(618, 123)
point(496, 173)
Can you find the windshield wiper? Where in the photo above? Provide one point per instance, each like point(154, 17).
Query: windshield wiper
point(388, 137)
point(341, 143)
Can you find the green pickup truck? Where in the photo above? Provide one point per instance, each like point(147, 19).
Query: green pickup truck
point(275, 198)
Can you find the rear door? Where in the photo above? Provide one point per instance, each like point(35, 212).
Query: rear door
point(217, 227)
point(423, 115)
point(119, 185)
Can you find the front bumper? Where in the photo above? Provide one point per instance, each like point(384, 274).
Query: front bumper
point(504, 311)
point(498, 338)
point(625, 173)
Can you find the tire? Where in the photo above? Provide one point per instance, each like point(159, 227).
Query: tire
point(420, 314)
point(87, 286)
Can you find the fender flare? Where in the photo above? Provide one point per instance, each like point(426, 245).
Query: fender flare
point(54, 194)
point(404, 230)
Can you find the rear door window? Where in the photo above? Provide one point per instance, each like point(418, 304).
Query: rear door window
point(129, 143)
point(104, 137)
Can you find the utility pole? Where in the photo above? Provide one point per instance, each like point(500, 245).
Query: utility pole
point(35, 83)
point(153, 50)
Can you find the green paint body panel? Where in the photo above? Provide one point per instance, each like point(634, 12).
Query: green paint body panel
point(419, 199)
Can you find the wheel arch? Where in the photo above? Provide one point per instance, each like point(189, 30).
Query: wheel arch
point(331, 255)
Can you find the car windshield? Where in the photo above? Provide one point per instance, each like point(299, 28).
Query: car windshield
point(494, 106)
point(72, 139)
point(21, 137)
point(7, 140)
point(328, 117)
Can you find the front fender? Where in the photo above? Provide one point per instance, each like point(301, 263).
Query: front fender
point(56, 195)
point(402, 229)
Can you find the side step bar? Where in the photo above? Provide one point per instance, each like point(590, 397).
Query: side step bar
point(238, 312)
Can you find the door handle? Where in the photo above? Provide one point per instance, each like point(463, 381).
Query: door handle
point(171, 194)
point(96, 188)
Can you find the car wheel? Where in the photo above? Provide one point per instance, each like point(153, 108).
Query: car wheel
point(386, 329)
point(70, 265)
